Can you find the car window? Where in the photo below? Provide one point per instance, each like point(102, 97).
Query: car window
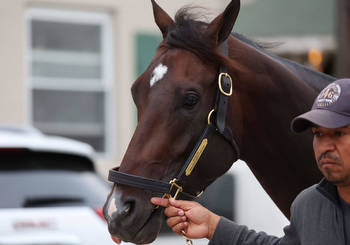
point(16, 159)
point(38, 188)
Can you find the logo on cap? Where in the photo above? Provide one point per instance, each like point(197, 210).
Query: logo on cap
point(328, 95)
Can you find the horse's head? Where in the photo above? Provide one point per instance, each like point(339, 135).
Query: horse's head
point(173, 97)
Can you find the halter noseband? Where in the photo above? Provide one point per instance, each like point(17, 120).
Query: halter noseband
point(173, 188)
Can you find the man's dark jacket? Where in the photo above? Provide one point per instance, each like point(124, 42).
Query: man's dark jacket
point(316, 219)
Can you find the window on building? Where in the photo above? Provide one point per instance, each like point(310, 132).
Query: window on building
point(70, 74)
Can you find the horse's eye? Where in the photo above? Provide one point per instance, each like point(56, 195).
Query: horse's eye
point(191, 99)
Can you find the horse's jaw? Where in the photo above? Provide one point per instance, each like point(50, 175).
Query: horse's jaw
point(147, 218)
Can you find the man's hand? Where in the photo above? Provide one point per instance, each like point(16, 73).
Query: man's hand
point(190, 217)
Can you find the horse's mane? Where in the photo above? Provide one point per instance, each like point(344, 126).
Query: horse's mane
point(188, 34)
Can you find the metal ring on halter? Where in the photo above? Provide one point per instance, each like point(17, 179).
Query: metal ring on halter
point(209, 116)
point(178, 188)
point(220, 86)
point(199, 194)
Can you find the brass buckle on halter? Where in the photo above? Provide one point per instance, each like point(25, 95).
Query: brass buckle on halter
point(178, 190)
point(220, 85)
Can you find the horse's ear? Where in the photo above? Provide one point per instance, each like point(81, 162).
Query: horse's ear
point(221, 27)
point(162, 19)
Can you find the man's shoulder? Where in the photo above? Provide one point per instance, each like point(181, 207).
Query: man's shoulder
point(308, 195)
point(306, 205)
point(317, 194)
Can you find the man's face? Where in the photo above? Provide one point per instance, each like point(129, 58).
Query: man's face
point(332, 152)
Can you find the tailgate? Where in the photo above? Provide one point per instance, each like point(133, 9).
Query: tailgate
point(52, 226)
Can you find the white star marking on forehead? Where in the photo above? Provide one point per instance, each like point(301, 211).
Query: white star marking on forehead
point(158, 73)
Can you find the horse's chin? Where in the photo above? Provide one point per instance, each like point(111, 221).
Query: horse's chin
point(146, 234)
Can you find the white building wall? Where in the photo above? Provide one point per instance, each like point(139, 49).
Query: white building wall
point(12, 86)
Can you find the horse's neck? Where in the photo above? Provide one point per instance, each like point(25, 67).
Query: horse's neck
point(313, 78)
point(270, 93)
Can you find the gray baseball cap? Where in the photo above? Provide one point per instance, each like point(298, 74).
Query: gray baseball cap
point(331, 108)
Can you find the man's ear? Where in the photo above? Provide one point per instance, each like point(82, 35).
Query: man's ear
point(221, 27)
point(162, 19)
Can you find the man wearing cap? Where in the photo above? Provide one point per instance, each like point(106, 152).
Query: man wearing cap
point(320, 214)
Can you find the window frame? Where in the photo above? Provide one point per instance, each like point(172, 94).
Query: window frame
point(105, 84)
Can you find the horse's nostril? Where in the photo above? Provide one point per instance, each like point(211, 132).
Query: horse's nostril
point(127, 208)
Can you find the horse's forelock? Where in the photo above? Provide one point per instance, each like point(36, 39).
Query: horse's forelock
point(188, 34)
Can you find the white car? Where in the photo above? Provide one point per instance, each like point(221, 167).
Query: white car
point(49, 191)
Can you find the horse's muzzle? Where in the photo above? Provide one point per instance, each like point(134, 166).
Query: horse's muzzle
point(132, 218)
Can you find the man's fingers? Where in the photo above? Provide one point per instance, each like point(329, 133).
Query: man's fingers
point(164, 202)
point(180, 227)
point(160, 201)
point(172, 211)
point(175, 220)
point(185, 205)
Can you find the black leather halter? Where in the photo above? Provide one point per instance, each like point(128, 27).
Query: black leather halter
point(173, 188)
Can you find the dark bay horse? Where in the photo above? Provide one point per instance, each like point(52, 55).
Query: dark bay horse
point(174, 97)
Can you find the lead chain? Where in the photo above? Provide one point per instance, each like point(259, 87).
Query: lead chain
point(188, 241)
